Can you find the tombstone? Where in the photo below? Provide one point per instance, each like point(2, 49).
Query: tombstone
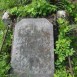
point(33, 49)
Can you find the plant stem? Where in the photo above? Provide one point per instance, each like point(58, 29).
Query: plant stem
point(4, 37)
point(70, 65)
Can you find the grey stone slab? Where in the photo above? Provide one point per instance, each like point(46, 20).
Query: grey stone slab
point(33, 48)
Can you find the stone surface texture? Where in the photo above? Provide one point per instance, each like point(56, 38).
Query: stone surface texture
point(33, 48)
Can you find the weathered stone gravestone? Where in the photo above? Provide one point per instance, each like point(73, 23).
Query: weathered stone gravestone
point(33, 48)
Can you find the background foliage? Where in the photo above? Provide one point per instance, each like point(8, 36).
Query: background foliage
point(66, 44)
point(37, 8)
